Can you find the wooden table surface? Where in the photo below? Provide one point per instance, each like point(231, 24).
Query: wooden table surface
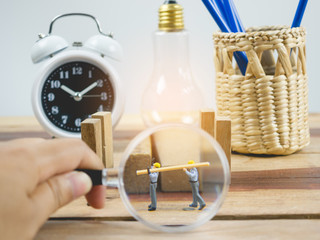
point(269, 197)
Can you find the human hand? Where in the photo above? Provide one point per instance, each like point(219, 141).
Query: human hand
point(36, 179)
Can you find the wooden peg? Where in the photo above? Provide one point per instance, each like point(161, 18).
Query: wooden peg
point(207, 118)
point(91, 135)
point(107, 142)
point(223, 136)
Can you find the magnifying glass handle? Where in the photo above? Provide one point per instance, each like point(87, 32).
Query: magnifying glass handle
point(95, 175)
point(105, 177)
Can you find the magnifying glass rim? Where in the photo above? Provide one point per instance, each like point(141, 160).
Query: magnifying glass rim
point(213, 209)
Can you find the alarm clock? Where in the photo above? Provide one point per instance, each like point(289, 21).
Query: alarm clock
point(74, 82)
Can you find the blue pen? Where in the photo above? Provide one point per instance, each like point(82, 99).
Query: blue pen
point(240, 26)
point(220, 6)
point(231, 17)
point(240, 57)
point(299, 13)
point(216, 16)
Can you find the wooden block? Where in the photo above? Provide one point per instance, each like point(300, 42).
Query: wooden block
point(91, 135)
point(175, 147)
point(207, 123)
point(223, 136)
point(140, 158)
point(107, 141)
point(207, 118)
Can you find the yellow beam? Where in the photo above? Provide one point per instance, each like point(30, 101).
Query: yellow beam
point(172, 168)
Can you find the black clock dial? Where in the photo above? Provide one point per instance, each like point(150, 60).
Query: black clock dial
point(74, 91)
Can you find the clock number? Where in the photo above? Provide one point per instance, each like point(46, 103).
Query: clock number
point(55, 84)
point(99, 83)
point(90, 74)
point(77, 122)
point(54, 110)
point(104, 96)
point(100, 108)
point(64, 75)
point(64, 119)
point(77, 70)
point(51, 97)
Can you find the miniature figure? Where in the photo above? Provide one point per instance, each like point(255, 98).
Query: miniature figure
point(194, 182)
point(153, 187)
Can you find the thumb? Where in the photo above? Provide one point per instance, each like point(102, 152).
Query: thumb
point(58, 191)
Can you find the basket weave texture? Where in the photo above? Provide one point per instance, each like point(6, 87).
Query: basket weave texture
point(268, 106)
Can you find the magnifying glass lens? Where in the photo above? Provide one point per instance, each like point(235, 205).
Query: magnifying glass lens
point(174, 177)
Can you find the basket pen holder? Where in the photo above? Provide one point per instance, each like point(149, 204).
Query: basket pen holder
point(268, 106)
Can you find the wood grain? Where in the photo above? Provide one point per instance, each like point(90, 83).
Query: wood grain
point(254, 229)
point(301, 178)
point(244, 204)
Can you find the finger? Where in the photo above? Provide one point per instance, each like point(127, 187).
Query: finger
point(57, 192)
point(18, 150)
point(22, 142)
point(18, 156)
point(96, 197)
point(63, 155)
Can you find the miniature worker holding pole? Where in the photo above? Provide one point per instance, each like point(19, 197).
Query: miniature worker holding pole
point(194, 182)
point(153, 187)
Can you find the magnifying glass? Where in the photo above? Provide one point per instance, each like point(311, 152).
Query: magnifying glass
point(171, 177)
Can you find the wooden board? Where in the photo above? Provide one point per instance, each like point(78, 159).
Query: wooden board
point(254, 229)
point(273, 197)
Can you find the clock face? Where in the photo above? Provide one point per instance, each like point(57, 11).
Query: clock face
point(74, 91)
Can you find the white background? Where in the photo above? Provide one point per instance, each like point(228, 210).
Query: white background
point(133, 22)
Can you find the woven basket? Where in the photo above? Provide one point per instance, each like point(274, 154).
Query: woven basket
point(268, 106)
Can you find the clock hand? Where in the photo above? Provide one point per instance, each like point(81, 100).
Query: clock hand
point(96, 95)
point(87, 89)
point(68, 90)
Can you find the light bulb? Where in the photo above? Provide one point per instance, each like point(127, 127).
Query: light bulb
point(171, 96)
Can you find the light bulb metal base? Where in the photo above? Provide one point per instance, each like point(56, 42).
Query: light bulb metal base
point(171, 17)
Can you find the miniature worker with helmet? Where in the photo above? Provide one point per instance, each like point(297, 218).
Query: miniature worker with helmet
point(153, 187)
point(194, 182)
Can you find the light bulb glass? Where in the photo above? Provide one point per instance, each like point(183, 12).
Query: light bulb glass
point(172, 95)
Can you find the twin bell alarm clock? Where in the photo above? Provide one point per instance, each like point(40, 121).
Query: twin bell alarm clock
point(75, 82)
